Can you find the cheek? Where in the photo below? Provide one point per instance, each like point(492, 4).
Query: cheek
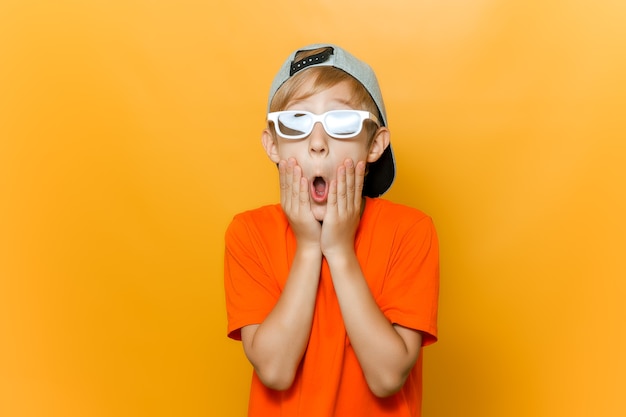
point(291, 149)
point(354, 150)
point(340, 150)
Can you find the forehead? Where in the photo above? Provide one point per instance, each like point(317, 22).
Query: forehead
point(340, 93)
point(314, 80)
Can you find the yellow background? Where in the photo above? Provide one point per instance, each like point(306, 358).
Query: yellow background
point(129, 137)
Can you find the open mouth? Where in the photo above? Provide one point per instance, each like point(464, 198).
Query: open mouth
point(319, 190)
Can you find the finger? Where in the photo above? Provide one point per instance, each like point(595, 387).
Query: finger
point(349, 164)
point(289, 173)
point(359, 180)
point(284, 185)
point(296, 187)
point(341, 187)
point(304, 194)
point(331, 203)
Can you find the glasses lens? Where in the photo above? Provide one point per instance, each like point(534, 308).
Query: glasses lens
point(343, 122)
point(294, 123)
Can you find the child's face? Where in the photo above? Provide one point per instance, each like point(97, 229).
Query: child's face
point(319, 155)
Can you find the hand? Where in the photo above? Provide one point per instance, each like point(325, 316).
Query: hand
point(295, 201)
point(343, 210)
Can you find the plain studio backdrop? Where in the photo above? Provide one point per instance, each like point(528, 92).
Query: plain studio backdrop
point(130, 136)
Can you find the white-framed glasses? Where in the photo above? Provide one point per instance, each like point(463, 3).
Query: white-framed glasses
point(340, 124)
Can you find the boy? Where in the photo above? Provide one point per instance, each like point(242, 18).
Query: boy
point(334, 291)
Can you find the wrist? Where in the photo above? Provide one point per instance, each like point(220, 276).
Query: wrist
point(308, 250)
point(340, 256)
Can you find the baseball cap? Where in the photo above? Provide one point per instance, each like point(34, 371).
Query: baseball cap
point(382, 172)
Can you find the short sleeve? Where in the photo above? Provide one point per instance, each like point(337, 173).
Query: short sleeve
point(251, 292)
point(411, 288)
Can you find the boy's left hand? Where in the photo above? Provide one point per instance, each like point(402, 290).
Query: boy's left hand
point(343, 209)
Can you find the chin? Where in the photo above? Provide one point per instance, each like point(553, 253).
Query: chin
point(319, 212)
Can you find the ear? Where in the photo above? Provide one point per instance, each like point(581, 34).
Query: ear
point(380, 141)
point(269, 144)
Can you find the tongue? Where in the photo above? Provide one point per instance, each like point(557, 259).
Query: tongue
point(320, 185)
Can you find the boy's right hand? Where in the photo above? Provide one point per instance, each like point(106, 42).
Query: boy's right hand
point(295, 201)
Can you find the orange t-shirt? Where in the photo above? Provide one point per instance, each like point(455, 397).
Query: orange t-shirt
point(398, 251)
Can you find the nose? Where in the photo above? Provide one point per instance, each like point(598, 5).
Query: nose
point(318, 140)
